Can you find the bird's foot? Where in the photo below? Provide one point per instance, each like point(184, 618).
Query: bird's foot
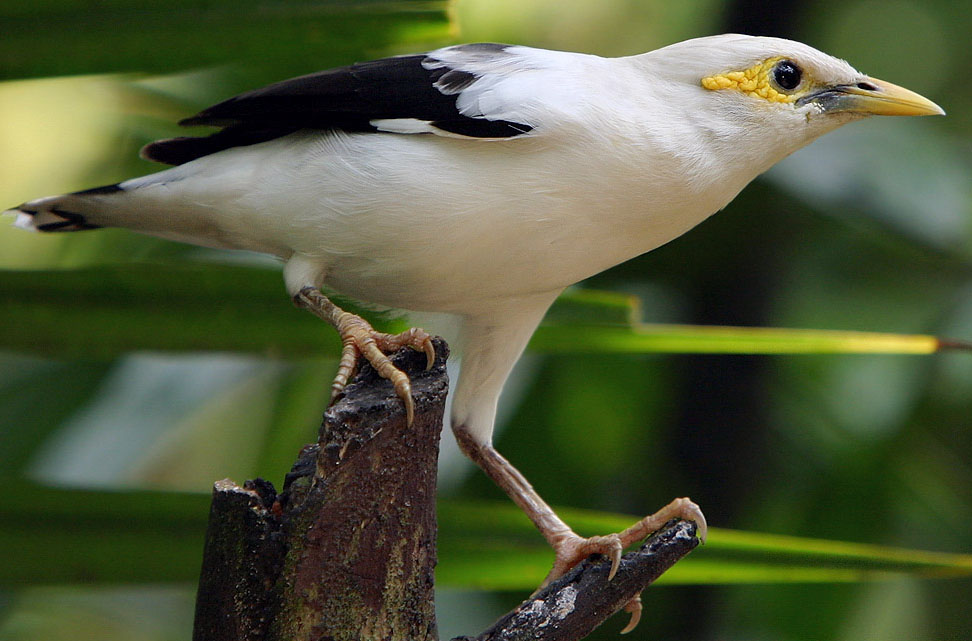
point(571, 549)
point(361, 339)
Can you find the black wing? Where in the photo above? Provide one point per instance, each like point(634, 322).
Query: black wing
point(415, 87)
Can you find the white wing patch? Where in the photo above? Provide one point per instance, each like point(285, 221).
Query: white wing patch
point(513, 83)
point(404, 126)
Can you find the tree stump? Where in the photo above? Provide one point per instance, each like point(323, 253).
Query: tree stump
point(347, 549)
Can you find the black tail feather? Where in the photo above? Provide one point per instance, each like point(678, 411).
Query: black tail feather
point(70, 222)
point(61, 213)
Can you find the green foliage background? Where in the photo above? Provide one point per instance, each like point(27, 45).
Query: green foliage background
point(107, 453)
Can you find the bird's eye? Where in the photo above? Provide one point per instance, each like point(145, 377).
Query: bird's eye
point(787, 75)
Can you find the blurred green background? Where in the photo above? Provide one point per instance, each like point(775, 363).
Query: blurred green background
point(870, 228)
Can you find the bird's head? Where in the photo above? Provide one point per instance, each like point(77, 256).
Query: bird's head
point(780, 93)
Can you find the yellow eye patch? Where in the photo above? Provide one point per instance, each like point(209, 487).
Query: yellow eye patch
point(754, 81)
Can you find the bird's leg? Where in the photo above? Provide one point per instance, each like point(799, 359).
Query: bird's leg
point(491, 342)
point(569, 547)
point(360, 339)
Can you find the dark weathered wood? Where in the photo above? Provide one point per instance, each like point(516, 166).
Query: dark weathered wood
point(241, 558)
point(347, 550)
point(361, 541)
point(571, 607)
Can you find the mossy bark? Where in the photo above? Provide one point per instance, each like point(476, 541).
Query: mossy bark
point(347, 550)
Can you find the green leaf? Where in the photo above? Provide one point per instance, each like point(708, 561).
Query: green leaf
point(56, 535)
point(29, 412)
point(578, 306)
point(493, 546)
point(271, 40)
point(710, 339)
point(103, 312)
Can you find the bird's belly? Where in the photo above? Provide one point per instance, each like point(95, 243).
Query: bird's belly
point(460, 269)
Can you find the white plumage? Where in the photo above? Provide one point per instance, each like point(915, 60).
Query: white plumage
point(481, 180)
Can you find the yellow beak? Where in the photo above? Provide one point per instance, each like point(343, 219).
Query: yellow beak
point(876, 98)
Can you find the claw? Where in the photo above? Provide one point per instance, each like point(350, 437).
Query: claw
point(701, 526)
point(682, 508)
point(346, 367)
point(615, 555)
point(403, 388)
point(571, 549)
point(417, 339)
point(687, 510)
point(634, 608)
point(360, 339)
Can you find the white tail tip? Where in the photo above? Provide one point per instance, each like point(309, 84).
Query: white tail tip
point(23, 221)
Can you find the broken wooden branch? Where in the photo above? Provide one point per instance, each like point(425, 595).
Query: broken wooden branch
point(575, 604)
point(347, 550)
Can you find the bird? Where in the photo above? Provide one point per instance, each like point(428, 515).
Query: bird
point(479, 181)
